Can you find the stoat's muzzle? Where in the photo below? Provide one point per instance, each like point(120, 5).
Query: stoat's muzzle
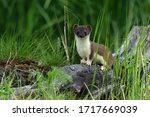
point(81, 34)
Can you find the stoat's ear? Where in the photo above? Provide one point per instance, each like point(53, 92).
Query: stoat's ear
point(75, 26)
point(89, 27)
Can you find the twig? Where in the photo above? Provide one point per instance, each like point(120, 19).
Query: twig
point(89, 91)
point(65, 43)
point(122, 90)
point(64, 39)
point(2, 79)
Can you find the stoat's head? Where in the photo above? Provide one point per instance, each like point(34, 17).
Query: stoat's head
point(82, 31)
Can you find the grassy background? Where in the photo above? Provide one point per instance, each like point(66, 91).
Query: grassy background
point(35, 28)
point(111, 19)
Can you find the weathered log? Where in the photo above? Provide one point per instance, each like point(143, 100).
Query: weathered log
point(139, 35)
point(23, 92)
point(89, 75)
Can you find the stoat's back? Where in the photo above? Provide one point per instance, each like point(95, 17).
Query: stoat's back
point(102, 53)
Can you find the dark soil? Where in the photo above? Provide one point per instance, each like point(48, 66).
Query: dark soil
point(21, 72)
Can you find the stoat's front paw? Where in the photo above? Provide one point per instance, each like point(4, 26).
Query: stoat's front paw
point(83, 61)
point(88, 62)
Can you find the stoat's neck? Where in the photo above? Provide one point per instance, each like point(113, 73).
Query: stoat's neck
point(83, 41)
point(83, 46)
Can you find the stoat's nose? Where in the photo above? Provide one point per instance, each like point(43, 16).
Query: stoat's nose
point(81, 34)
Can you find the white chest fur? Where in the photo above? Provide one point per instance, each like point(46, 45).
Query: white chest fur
point(83, 46)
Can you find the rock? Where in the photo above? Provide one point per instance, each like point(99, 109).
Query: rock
point(86, 75)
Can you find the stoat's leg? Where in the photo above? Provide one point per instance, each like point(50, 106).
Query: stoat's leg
point(88, 62)
point(83, 61)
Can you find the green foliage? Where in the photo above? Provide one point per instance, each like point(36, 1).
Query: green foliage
point(29, 16)
point(58, 77)
point(47, 88)
point(5, 88)
point(131, 74)
point(35, 29)
point(41, 48)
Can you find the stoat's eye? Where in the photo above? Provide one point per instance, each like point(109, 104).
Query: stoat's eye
point(78, 32)
point(84, 32)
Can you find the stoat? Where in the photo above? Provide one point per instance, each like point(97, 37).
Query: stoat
point(91, 51)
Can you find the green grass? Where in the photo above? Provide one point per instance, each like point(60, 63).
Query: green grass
point(36, 31)
point(37, 47)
